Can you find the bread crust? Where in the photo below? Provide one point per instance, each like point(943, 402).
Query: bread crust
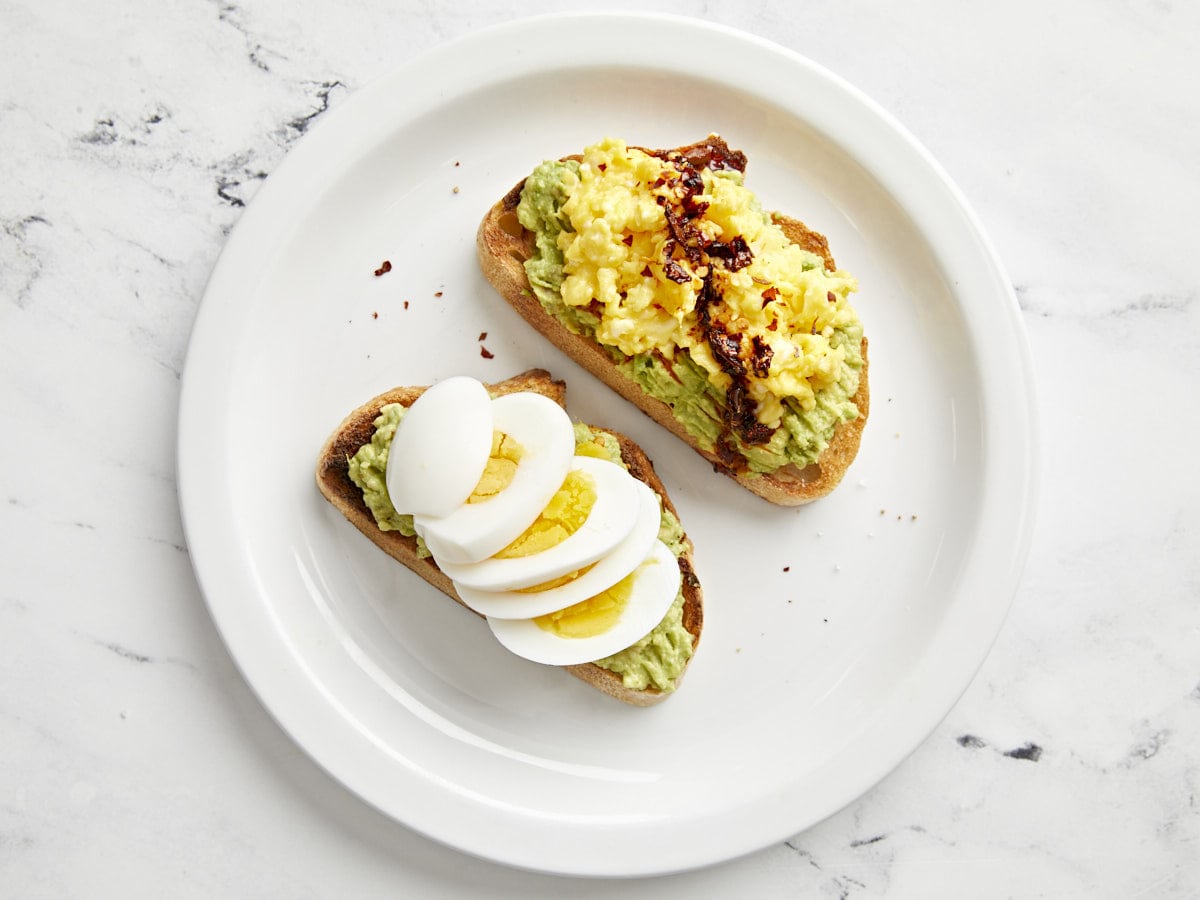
point(333, 481)
point(503, 246)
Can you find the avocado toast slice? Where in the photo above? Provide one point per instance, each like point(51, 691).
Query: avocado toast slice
point(635, 687)
point(505, 246)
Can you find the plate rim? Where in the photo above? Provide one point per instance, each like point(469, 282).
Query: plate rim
point(271, 688)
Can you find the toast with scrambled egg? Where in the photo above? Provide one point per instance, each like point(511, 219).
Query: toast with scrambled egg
point(350, 475)
point(660, 274)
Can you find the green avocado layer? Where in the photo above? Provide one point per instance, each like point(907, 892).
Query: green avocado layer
point(656, 661)
point(683, 385)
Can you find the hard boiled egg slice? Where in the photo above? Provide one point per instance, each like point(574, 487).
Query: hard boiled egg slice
point(440, 448)
point(602, 625)
point(609, 521)
point(475, 530)
point(578, 585)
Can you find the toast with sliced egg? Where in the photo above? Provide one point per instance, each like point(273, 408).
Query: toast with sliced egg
point(609, 593)
point(658, 272)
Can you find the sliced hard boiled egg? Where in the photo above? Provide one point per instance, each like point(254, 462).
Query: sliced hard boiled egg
point(440, 448)
point(613, 513)
point(602, 625)
point(580, 584)
point(475, 530)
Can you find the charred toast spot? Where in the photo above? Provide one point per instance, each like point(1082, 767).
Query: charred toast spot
point(513, 198)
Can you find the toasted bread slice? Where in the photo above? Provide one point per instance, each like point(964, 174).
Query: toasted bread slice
point(333, 480)
point(503, 246)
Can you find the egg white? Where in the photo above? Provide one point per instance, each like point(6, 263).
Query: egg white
point(623, 559)
point(655, 586)
point(440, 448)
point(474, 531)
point(609, 522)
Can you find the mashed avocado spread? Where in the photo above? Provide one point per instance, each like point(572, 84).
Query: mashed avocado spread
point(368, 470)
point(656, 661)
point(699, 298)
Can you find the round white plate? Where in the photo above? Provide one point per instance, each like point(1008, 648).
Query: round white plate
point(836, 635)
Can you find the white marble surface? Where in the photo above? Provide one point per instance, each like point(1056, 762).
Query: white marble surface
point(134, 761)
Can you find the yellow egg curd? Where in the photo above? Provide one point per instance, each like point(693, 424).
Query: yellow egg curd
point(668, 255)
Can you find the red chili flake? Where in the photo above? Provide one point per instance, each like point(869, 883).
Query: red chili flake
point(456, 162)
point(725, 349)
point(771, 293)
point(742, 256)
point(485, 353)
point(774, 324)
point(831, 296)
point(406, 304)
point(760, 356)
point(437, 293)
point(483, 335)
point(676, 272)
point(627, 240)
point(602, 166)
point(384, 268)
point(374, 315)
point(787, 568)
point(646, 273)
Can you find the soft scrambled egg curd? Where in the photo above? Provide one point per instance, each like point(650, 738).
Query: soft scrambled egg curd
point(623, 261)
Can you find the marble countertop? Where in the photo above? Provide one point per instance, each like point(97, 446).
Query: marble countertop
point(135, 760)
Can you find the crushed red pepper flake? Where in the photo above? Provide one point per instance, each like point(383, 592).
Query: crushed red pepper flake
point(437, 293)
point(374, 315)
point(384, 268)
point(483, 335)
point(406, 304)
point(676, 272)
point(627, 240)
point(486, 353)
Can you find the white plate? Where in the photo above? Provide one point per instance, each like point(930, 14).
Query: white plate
point(836, 636)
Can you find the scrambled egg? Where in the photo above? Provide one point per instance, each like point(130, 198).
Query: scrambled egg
point(622, 262)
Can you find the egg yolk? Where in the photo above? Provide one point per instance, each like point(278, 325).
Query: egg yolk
point(556, 582)
point(567, 510)
point(592, 616)
point(500, 469)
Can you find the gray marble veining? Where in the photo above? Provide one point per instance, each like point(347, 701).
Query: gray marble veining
point(132, 137)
